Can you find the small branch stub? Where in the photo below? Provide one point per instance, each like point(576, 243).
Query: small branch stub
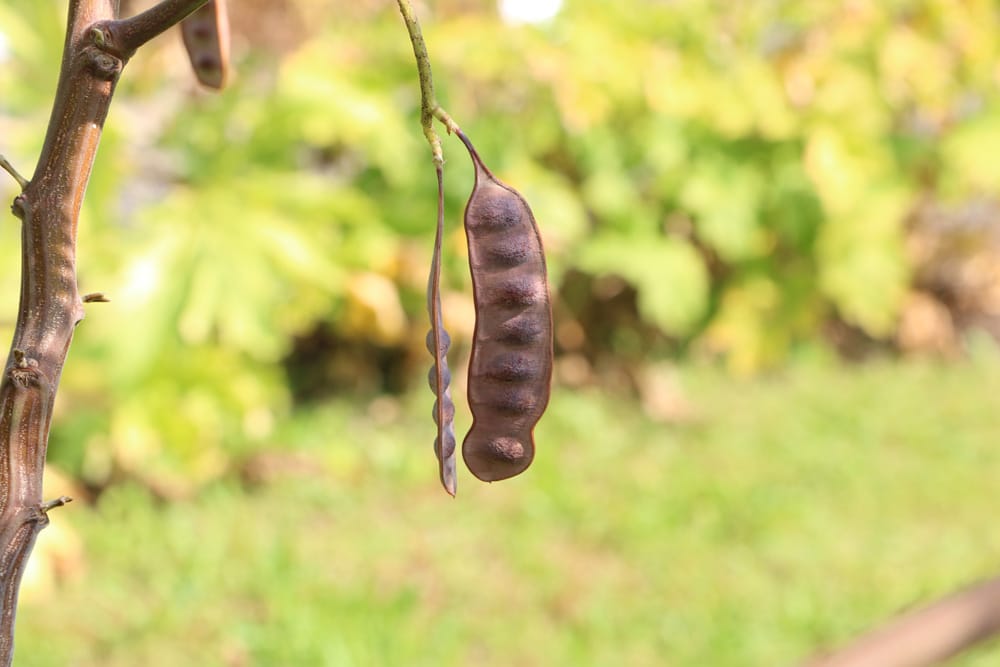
point(96, 297)
point(103, 65)
point(52, 504)
point(17, 208)
point(25, 371)
point(9, 168)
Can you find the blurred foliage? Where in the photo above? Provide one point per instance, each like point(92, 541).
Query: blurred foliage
point(785, 516)
point(710, 178)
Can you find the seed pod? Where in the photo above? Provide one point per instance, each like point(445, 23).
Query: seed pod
point(510, 370)
point(439, 378)
point(206, 38)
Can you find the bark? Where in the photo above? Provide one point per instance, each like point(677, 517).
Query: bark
point(96, 49)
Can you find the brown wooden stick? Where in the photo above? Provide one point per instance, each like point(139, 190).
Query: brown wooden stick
point(928, 635)
point(96, 49)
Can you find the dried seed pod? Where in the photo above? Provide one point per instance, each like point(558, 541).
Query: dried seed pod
point(510, 370)
point(439, 378)
point(206, 38)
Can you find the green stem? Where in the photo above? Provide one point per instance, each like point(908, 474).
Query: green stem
point(429, 107)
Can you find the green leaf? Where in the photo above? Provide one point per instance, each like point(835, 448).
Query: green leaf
point(668, 274)
point(863, 266)
point(969, 154)
point(725, 201)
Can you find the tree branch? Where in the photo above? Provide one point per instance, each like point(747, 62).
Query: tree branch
point(926, 636)
point(123, 37)
point(96, 48)
point(50, 304)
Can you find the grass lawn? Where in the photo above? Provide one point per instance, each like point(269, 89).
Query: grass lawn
point(791, 512)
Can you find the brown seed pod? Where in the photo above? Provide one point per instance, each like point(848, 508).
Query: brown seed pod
point(510, 370)
point(206, 38)
point(439, 377)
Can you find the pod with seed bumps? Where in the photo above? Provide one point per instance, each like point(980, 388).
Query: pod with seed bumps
point(206, 39)
point(439, 377)
point(443, 412)
point(510, 369)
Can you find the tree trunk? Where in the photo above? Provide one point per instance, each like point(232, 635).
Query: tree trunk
point(97, 47)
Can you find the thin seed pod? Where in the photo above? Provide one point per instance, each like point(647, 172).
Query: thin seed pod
point(510, 370)
point(438, 342)
point(206, 38)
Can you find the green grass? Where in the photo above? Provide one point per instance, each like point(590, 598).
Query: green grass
point(793, 512)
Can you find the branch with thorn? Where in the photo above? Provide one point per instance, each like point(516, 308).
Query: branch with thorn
point(9, 168)
point(97, 47)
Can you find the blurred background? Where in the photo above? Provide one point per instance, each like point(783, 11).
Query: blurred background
point(773, 234)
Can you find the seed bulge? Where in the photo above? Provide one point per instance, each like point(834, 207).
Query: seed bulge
point(512, 367)
point(507, 449)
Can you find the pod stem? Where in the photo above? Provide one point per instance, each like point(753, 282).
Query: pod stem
point(474, 154)
point(429, 107)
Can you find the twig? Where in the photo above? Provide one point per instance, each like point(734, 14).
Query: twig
point(926, 636)
point(123, 37)
point(56, 502)
point(429, 107)
point(9, 168)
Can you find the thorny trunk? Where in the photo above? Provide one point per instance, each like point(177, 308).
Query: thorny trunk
point(96, 48)
point(50, 302)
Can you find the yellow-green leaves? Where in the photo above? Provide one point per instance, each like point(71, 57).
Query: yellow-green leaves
point(668, 274)
point(724, 199)
point(860, 252)
point(969, 157)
